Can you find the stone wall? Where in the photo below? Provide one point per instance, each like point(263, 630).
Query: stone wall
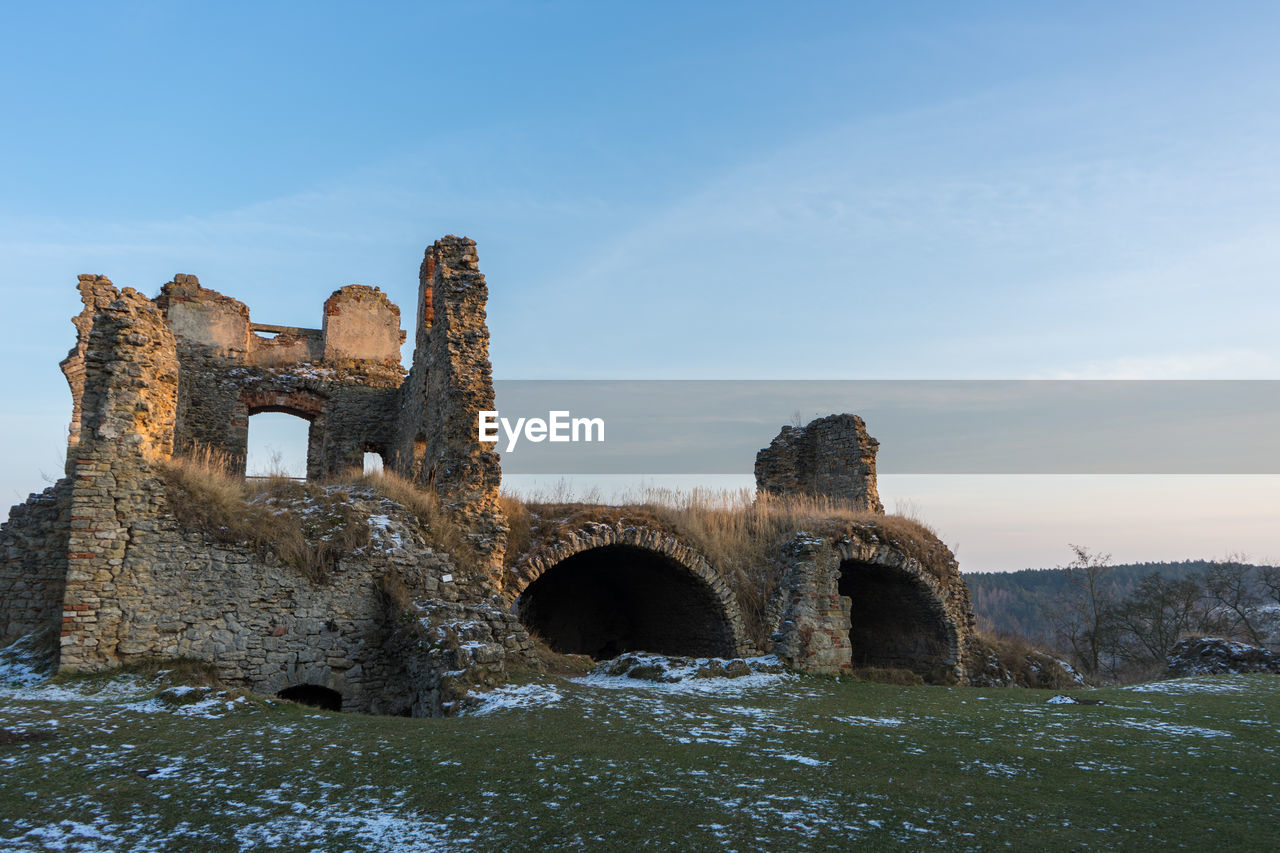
point(269, 626)
point(205, 317)
point(361, 324)
point(830, 457)
point(128, 406)
point(273, 346)
point(33, 563)
point(96, 292)
point(813, 620)
point(447, 648)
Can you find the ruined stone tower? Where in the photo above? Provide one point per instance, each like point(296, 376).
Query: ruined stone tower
point(830, 457)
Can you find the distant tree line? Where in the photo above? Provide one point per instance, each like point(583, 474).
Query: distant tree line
point(1118, 623)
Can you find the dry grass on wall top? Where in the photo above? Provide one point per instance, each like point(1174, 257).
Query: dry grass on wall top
point(304, 526)
point(739, 533)
point(443, 533)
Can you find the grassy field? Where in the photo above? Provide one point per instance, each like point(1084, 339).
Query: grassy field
point(759, 763)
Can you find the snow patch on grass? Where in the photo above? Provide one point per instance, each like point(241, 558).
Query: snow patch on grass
point(373, 829)
point(869, 721)
point(512, 697)
point(701, 686)
point(21, 664)
point(1193, 684)
point(802, 759)
point(88, 690)
point(1171, 728)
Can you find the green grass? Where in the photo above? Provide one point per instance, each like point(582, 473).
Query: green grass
point(799, 763)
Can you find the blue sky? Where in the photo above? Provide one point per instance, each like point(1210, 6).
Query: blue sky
point(716, 190)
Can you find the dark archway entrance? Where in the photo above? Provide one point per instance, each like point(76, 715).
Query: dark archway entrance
point(895, 620)
point(621, 598)
point(313, 695)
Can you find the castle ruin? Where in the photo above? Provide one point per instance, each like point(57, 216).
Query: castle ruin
point(403, 624)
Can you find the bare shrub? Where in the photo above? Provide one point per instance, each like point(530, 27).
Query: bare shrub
point(519, 524)
point(1008, 660)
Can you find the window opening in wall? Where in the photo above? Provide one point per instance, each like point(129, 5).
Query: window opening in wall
point(277, 445)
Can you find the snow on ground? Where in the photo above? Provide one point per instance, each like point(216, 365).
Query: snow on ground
point(1192, 684)
point(802, 759)
point(386, 531)
point(742, 735)
point(697, 686)
point(20, 664)
point(1171, 728)
point(870, 721)
point(112, 690)
point(372, 827)
point(132, 693)
point(512, 697)
point(689, 675)
point(993, 768)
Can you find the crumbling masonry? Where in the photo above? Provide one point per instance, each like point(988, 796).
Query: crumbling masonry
point(100, 561)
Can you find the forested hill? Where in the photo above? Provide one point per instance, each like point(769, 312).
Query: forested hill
point(1015, 601)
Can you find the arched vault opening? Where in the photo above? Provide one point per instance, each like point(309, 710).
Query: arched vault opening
point(313, 695)
point(616, 598)
point(895, 620)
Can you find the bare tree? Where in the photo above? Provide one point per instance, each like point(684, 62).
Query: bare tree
point(1081, 617)
point(1153, 618)
point(1236, 593)
point(1269, 581)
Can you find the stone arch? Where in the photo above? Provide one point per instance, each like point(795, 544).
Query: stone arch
point(605, 590)
point(308, 405)
point(898, 615)
point(298, 676)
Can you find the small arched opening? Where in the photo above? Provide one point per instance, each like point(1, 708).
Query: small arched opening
point(611, 599)
point(419, 454)
point(373, 458)
point(895, 620)
point(313, 695)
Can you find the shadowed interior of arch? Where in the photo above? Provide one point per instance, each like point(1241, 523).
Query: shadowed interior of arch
point(620, 598)
point(313, 695)
point(895, 621)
